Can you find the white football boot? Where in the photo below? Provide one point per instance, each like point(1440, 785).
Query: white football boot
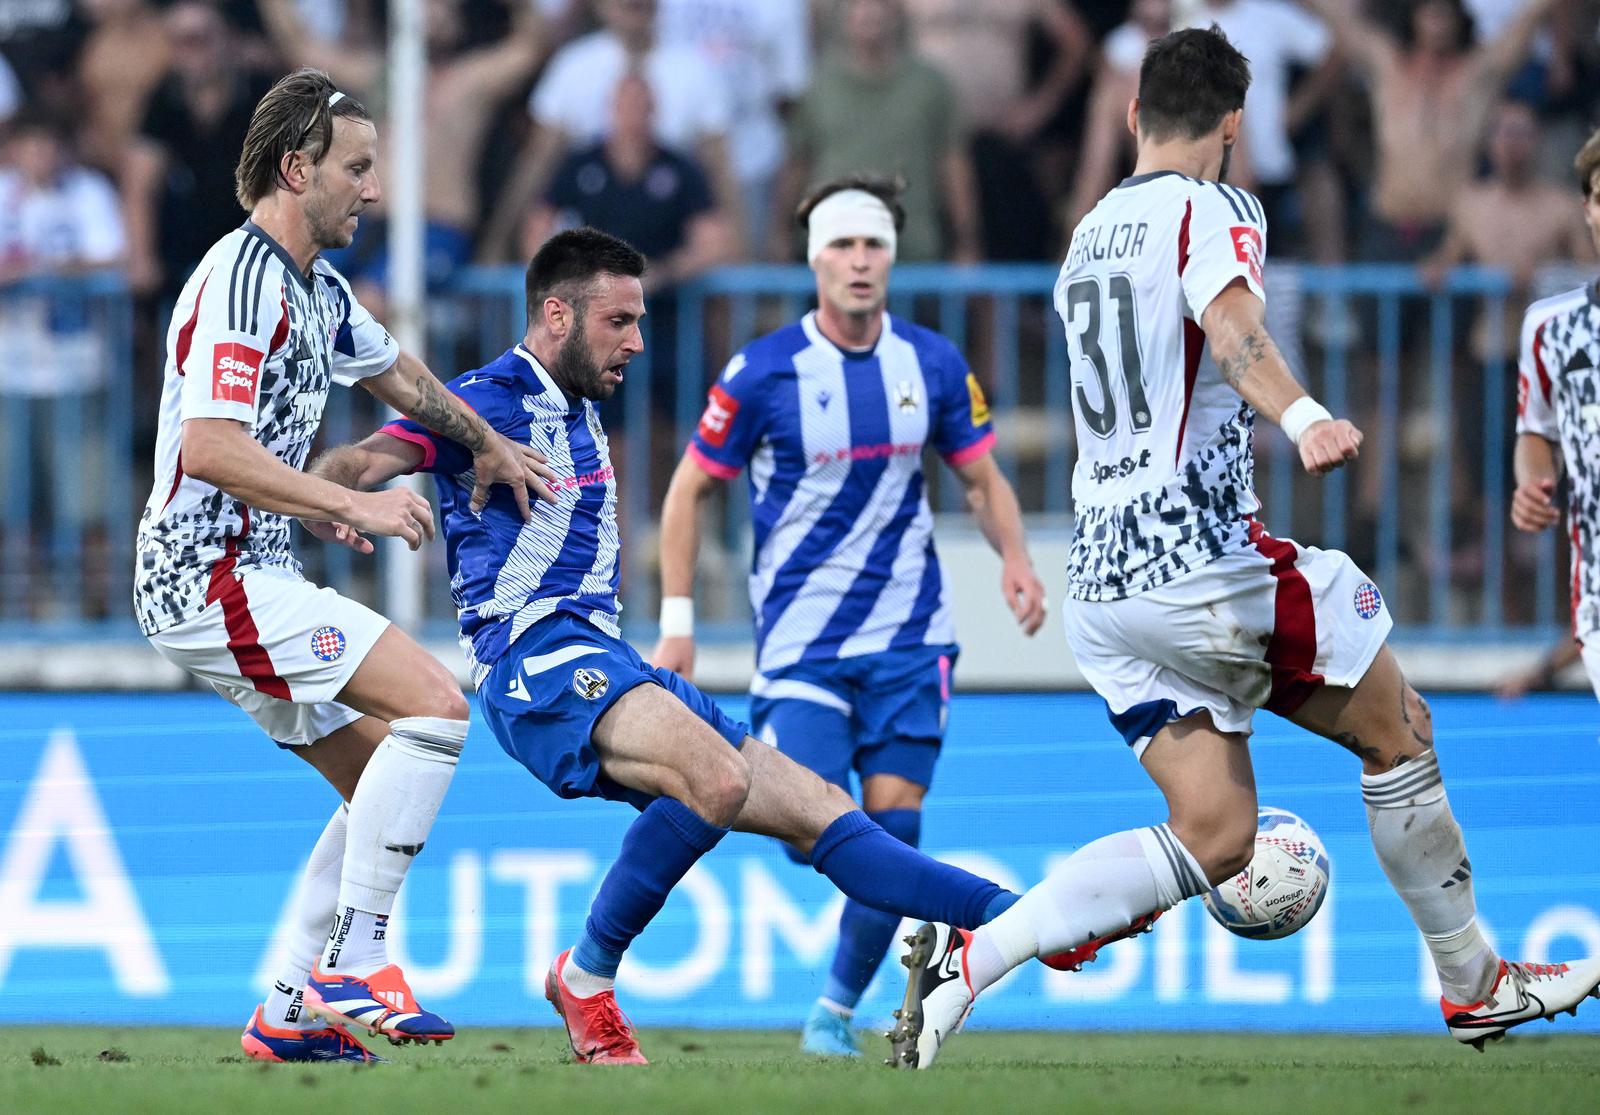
point(938, 995)
point(1522, 993)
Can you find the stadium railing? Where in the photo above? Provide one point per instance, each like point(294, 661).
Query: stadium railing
point(1424, 511)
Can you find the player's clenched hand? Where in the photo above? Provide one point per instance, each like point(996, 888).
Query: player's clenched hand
point(395, 512)
point(1533, 505)
point(675, 653)
point(1327, 445)
point(341, 534)
point(1024, 595)
point(519, 467)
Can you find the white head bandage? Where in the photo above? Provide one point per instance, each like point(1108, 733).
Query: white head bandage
point(845, 214)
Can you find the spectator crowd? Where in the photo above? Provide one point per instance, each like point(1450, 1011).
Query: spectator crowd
point(1431, 132)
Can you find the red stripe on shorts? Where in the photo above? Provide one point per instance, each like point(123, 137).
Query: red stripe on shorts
point(243, 638)
point(1292, 651)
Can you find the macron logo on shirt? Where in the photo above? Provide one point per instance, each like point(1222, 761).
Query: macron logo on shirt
point(235, 372)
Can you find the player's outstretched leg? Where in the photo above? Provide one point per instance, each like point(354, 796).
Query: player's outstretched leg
point(822, 822)
point(1387, 725)
point(1099, 891)
point(865, 935)
point(391, 814)
point(649, 740)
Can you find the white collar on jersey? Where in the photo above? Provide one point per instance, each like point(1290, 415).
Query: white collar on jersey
point(814, 332)
point(544, 376)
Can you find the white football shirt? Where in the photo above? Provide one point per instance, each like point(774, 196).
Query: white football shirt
point(1164, 479)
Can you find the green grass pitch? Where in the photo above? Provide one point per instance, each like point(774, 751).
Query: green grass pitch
point(114, 1071)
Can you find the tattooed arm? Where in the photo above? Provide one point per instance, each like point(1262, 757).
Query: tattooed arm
point(1251, 364)
point(415, 392)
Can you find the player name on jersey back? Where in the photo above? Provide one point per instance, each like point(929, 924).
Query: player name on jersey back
point(1164, 480)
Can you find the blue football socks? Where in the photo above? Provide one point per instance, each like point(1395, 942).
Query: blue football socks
point(877, 870)
point(659, 848)
point(865, 934)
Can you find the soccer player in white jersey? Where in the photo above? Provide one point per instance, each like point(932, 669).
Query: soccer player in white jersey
point(261, 330)
point(854, 634)
point(1558, 423)
point(1186, 616)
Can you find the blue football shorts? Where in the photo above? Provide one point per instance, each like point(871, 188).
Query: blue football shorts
point(881, 713)
point(543, 698)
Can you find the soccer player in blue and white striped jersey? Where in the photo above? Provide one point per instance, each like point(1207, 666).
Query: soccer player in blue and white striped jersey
point(853, 628)
point(571, 701)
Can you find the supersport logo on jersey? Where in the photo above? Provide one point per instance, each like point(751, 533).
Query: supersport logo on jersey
point(721, 409)
point(235, 371)
point(1247, 246)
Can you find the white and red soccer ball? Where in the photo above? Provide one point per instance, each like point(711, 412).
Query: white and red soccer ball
point(1282, 888)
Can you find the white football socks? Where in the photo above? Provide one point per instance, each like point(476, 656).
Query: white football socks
point(391, 814)
point(581, 983)
point(1100, 889)
point(1422, 852)
point(314, 902)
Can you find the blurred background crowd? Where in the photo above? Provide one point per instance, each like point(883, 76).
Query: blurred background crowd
point(1427, 133)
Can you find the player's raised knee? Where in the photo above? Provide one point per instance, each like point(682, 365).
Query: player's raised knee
point(719, 788)
point(435, 692)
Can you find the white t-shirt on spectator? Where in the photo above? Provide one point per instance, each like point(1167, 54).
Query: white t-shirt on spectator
point(761, 53)
point(1124, 48)
point(1274, 35)
point(576, 90)
point(77, 222)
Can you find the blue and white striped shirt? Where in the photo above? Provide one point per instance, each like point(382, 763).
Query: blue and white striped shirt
point(506, 574)
point(844, 563)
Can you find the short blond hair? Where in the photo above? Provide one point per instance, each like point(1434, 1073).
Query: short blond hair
point(1587, 162)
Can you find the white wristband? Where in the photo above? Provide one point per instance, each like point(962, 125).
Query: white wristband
point(677, 617)
point(1301, 413)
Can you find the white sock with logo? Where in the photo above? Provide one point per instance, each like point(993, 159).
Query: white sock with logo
point(391, 814)
point(313, 906)
point(1424, 855)
point(1100, 889)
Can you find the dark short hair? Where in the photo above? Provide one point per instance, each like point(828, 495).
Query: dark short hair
point(1587, 162)
point(569, 262)
point(1189, 81)
point(294, 116)
point(886, 188)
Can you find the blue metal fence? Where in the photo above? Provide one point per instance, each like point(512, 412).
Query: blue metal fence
point(1424, 509)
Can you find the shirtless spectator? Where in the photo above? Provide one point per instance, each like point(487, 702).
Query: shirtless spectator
point(1548, 227)
point(1431, 94)
point(571, 107)
point(1107, 143)
point(465, 87)
point(177, 175)
point(123, 59)
point(983, 49)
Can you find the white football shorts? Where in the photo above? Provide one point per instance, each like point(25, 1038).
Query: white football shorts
point(279, 647)
point(1262, 627)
